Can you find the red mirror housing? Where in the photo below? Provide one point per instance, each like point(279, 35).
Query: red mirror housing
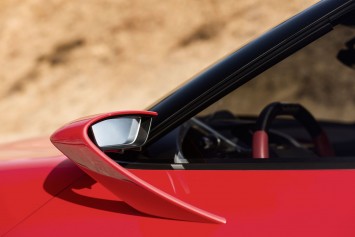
point(74, 141)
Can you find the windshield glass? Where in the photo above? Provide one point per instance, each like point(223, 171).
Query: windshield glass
point(299, 110)
point(314, 77)
point(302, 107)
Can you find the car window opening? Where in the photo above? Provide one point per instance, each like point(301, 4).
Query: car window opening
point(319, 78)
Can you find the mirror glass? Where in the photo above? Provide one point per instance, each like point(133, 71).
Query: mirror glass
point(121, 132)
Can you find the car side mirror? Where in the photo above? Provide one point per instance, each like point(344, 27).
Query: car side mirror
point(120, 132)
point(84, 141)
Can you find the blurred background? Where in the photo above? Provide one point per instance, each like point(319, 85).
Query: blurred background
point(63, 59)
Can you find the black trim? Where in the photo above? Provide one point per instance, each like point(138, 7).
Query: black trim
point(332, 163)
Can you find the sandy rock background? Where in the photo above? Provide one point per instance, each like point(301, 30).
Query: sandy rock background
point(63, 59)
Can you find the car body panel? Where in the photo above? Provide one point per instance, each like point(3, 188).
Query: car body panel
point(22, 191)
point(39, 147)
point(268, 203)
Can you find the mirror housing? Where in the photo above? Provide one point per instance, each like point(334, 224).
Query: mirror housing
point(85, 141)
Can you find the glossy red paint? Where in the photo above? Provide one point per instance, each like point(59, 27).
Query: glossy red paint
point(39, 147)
point(53, 197)
point(21, 183)
point(74, 142)
point(256, 203)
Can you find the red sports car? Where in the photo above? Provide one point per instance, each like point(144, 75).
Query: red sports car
point(202, 161)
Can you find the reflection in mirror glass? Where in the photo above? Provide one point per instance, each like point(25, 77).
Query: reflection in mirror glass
point(116, 131)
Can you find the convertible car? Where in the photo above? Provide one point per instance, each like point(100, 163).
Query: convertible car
point(204, 161)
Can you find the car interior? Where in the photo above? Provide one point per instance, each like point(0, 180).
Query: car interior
point(305, 105)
